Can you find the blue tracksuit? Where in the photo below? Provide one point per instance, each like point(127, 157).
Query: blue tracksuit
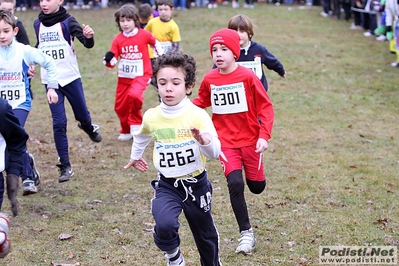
point(55, 35)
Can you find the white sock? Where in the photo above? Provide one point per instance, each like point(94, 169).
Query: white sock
point(172, 253)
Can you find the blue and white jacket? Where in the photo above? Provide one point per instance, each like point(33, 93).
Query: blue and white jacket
point(15, 60)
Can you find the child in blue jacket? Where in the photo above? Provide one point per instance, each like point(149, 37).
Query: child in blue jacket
point(253, 55)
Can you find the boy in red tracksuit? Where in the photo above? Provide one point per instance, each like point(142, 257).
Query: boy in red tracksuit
point(134, 68)
point(243, 116)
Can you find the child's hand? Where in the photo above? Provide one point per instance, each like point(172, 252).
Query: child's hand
point(140, 165)
point(87, 31)
point(52, 96)
point(109, 58)
point(31, 71)
point(261, 145)
point(199, 136)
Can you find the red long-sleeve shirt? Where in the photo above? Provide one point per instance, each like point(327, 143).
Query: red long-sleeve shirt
point(133, 48)
point(240, 101)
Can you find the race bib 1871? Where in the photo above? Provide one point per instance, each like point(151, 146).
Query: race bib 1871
point(130, 68)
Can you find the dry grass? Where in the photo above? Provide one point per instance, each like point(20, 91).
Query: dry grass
point(332, 164)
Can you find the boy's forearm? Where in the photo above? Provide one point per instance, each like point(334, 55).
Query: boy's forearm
point(77, 31)
point(140, 142)
point(213, 148)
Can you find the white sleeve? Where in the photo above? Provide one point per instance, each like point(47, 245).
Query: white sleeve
point(140, 142)
point(212, 150)
point(34, 56)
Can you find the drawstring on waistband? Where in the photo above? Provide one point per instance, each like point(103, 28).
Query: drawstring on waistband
point(188, 191)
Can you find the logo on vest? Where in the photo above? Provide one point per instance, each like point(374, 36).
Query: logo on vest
point(49, 37)
point(131, 52)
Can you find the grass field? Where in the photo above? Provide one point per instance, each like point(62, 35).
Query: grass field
point(332, 165)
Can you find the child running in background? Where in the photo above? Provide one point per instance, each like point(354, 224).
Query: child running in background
point(253, 54)
point(183, 141)
point(21, 36)
point(15, 59)
point(12, 149)
point(238, 100)
point(146, 13)
point(134, 69)
point(164, 28)
point(30, 173)
point(55, 32)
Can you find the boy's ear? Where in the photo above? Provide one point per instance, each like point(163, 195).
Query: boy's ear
point(189, 89)
point(16, 29)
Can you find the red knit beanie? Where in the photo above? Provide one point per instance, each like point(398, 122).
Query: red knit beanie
point(227, 37)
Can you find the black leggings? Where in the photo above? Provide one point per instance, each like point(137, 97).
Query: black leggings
point(235, 183)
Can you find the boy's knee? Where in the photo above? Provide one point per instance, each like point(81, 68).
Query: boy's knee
point(60, 124)
point(235, 181)
point(165, 228)
point(256, 187)
point(166, 236)
point(135, 96)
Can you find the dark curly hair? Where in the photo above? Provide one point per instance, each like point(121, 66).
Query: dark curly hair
point(177, 60)
point(127, 11)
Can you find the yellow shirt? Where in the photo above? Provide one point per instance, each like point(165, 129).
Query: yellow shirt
point(176, 152)
point(165, 32)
